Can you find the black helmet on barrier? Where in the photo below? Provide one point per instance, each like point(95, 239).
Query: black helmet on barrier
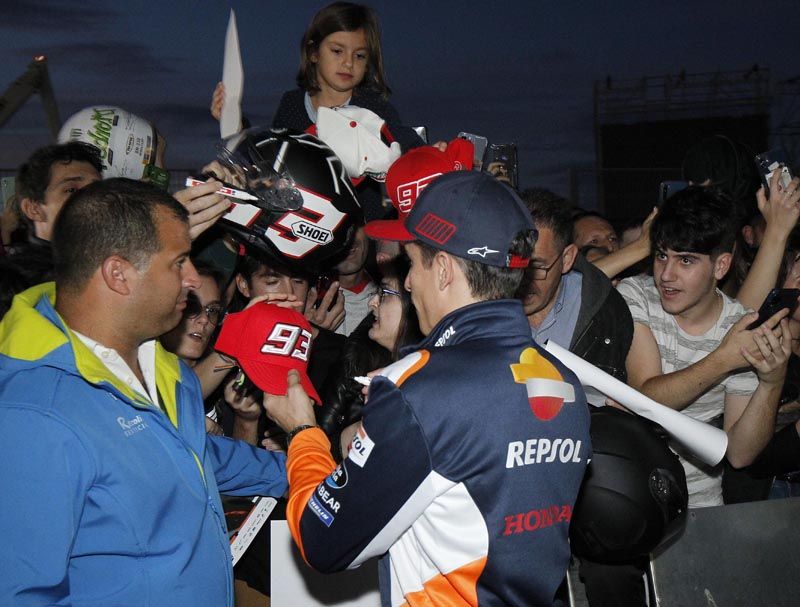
point(305, 212)
point(633, 496)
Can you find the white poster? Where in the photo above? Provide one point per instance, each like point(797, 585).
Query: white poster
point(294, 583)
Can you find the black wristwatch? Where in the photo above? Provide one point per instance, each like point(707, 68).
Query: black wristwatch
point(297, 430)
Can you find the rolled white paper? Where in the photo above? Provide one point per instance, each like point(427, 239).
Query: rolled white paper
point(230, 121)
point(705, 441)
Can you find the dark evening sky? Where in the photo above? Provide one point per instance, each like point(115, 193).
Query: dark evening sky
point(513, 71)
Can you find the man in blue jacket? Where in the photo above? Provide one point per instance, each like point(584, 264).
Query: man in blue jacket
point(110, 483)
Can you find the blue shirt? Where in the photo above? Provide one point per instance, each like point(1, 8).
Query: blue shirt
point(559, 324)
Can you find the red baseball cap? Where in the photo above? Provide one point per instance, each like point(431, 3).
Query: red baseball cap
point(267, 340)
point(410, 174)
point(470, 215)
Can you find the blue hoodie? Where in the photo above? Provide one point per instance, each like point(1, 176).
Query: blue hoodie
point(105, 499)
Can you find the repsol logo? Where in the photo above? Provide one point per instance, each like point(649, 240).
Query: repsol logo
point(541, 518)
point(543, 450)
point(309, 231)
point(448, 333)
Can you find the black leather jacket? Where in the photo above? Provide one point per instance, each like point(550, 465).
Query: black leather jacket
point(604, 329)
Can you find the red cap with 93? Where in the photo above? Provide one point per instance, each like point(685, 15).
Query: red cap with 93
point(267, 341)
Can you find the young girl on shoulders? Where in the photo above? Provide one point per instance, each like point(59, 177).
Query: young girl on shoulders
point(340, 64)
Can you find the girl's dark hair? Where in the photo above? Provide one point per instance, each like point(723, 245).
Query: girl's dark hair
point(343, 17)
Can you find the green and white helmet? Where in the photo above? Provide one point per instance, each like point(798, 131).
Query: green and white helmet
point(127, 143)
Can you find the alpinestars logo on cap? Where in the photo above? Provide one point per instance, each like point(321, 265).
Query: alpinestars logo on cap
point(482, 251)
point(547, 390)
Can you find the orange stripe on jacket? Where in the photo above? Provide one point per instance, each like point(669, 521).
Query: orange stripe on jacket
point(423, 359)
point(308, 462)
point(457, 588)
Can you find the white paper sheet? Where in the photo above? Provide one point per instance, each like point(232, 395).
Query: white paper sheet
point(294, 583)
point(706, 442)
point(230, 122)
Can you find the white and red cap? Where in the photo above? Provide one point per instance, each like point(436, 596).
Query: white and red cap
point(410, 175)
point(267, 341)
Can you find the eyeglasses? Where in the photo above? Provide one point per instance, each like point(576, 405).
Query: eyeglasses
point(382, 292)
point(540, 272)
point(194, 308)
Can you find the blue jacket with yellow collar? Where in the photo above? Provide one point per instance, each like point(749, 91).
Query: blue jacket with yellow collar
point(105, 499)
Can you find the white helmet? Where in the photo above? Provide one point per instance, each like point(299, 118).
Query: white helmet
point(127, 142)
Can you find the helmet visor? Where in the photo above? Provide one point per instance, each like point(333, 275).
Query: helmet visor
point(268, 182)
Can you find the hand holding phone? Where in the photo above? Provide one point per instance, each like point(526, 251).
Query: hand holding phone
point(771, 161)
point(775, 301)
point(500, 160)
point(479, 143)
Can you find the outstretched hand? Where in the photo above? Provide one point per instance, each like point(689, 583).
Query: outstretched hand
point(292, 410)
point(326, 316)
point(282, 300)
point(204, 205)
point(740, 339)
point(774, 350)
point(781, 209)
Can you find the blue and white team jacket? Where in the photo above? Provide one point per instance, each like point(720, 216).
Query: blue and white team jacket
point(463, 474)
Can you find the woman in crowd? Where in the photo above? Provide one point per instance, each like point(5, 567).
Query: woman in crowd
point(203, 313)
point(375, 343)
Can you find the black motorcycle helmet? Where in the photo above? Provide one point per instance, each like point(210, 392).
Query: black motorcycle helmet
point(634, 494)
point(307, 210)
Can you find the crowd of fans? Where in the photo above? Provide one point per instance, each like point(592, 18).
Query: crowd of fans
point(664, 303)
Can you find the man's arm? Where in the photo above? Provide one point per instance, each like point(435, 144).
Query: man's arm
point(679, 389)
point(339, 520)
point(780, 211)
point(620, 260)
point(242, 469)
point(45, 473)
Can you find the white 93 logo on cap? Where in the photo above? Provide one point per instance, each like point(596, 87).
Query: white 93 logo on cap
point(407, 193)
point(288, 340)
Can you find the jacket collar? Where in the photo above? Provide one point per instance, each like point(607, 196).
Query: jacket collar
point(498, 319)
point(32, 334)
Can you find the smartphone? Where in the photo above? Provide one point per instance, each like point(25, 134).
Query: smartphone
point(776, 300)
point(771, 161)
point(7, 189)
point(479, 143)
point(668, 188)
point(324, 282)
point(505, 154)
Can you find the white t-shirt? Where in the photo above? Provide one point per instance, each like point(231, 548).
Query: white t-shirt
point(356, 306)
point(679, 350)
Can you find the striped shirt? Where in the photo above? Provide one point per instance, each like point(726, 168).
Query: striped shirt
point(679, 350)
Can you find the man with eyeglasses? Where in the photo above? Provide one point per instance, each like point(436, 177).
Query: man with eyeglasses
point(566, 298)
